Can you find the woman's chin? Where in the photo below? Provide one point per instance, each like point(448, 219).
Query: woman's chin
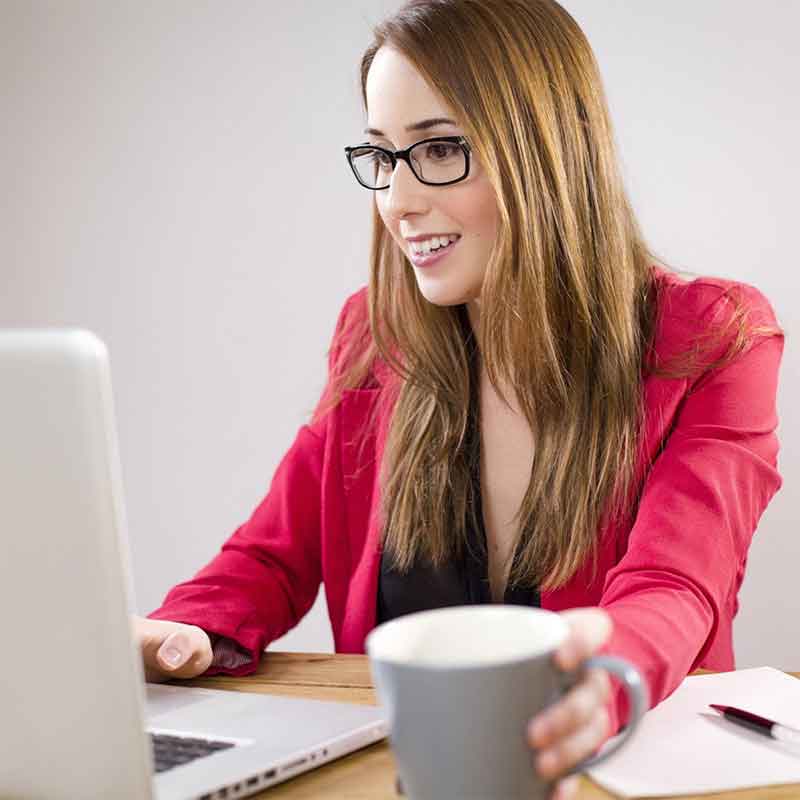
point(443, 292)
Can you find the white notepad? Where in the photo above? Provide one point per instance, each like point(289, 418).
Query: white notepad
point(684, 747)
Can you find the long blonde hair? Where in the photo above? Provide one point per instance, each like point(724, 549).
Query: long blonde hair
point(568, 304)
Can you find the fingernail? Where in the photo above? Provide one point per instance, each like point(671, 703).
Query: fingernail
point(173, 656)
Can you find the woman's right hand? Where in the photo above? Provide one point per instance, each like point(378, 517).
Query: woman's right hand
point(171, 649)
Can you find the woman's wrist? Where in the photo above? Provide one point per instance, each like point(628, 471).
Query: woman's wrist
point(226, 652)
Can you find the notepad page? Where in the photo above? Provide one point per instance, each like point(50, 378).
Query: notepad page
point(684, 747)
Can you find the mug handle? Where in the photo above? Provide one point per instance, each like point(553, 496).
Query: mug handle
point(638, 701)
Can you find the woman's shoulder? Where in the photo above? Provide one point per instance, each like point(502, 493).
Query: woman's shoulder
point(353, 345)
point(353, 310)
point(689, 302)
point(353, 334)
point(357, 301)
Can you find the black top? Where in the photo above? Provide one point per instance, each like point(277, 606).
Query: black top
point(459, 582)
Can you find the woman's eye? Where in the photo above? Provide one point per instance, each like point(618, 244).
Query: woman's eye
point(440, 151)
point(381, 160)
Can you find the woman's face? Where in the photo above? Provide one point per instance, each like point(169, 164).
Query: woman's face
point(399, 100)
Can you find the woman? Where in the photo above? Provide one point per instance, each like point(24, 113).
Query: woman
point(534, 413)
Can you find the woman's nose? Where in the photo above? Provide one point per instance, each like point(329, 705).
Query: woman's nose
point(405, 194)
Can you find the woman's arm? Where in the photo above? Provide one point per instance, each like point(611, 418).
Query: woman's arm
point(699, 508)
point(267, 574)
point(663, 602)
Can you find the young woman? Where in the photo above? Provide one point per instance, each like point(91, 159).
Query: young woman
point(523, 406)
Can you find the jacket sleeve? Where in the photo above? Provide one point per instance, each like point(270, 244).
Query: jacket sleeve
point(267, 574)
point(699, 508)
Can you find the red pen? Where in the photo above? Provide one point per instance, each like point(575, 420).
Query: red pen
point(767, 727)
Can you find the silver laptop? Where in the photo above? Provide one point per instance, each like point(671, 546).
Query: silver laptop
point(76, 718)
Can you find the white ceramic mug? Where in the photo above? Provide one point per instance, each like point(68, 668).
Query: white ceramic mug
point(460, 686)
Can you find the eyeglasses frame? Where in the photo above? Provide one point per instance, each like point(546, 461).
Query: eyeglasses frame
point(404, 155)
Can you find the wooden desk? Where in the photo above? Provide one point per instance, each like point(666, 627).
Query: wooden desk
point(369, 773)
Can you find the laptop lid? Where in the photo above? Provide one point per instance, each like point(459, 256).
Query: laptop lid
point(71, 683)
point(70, 678)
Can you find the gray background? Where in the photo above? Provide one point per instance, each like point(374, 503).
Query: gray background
point(172, 177)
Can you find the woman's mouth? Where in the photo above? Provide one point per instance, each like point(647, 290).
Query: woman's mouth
point(431, 251)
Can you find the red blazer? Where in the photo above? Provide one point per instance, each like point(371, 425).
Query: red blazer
point(669, 580)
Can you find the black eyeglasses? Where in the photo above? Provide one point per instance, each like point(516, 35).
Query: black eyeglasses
point(434, 162)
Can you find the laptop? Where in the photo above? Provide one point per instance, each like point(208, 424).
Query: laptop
point(76, 717)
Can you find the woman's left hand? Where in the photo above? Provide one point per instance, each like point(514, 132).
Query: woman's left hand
point(568, 731)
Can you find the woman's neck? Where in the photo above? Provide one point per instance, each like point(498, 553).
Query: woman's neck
point(474, 313)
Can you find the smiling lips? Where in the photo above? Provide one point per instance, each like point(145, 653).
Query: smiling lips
point(428, 252)
point(432, 244)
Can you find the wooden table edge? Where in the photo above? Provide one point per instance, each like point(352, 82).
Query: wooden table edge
point(369, 773)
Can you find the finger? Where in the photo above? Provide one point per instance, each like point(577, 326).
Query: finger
point(163, 657)
point(185, 653)
point(575, 709)
point(145, 631)
point(566, 789)
point(568, 752)
point(589, 630)
point(151, 634)
point(197, 664)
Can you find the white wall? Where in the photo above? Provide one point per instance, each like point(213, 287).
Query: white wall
point(172, 177)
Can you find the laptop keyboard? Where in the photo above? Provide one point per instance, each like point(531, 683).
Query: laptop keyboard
point(172, 751)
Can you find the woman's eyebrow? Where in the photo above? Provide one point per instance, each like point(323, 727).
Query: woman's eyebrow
point(417, 126)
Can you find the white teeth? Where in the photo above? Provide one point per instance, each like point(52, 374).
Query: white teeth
point(434, 243)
